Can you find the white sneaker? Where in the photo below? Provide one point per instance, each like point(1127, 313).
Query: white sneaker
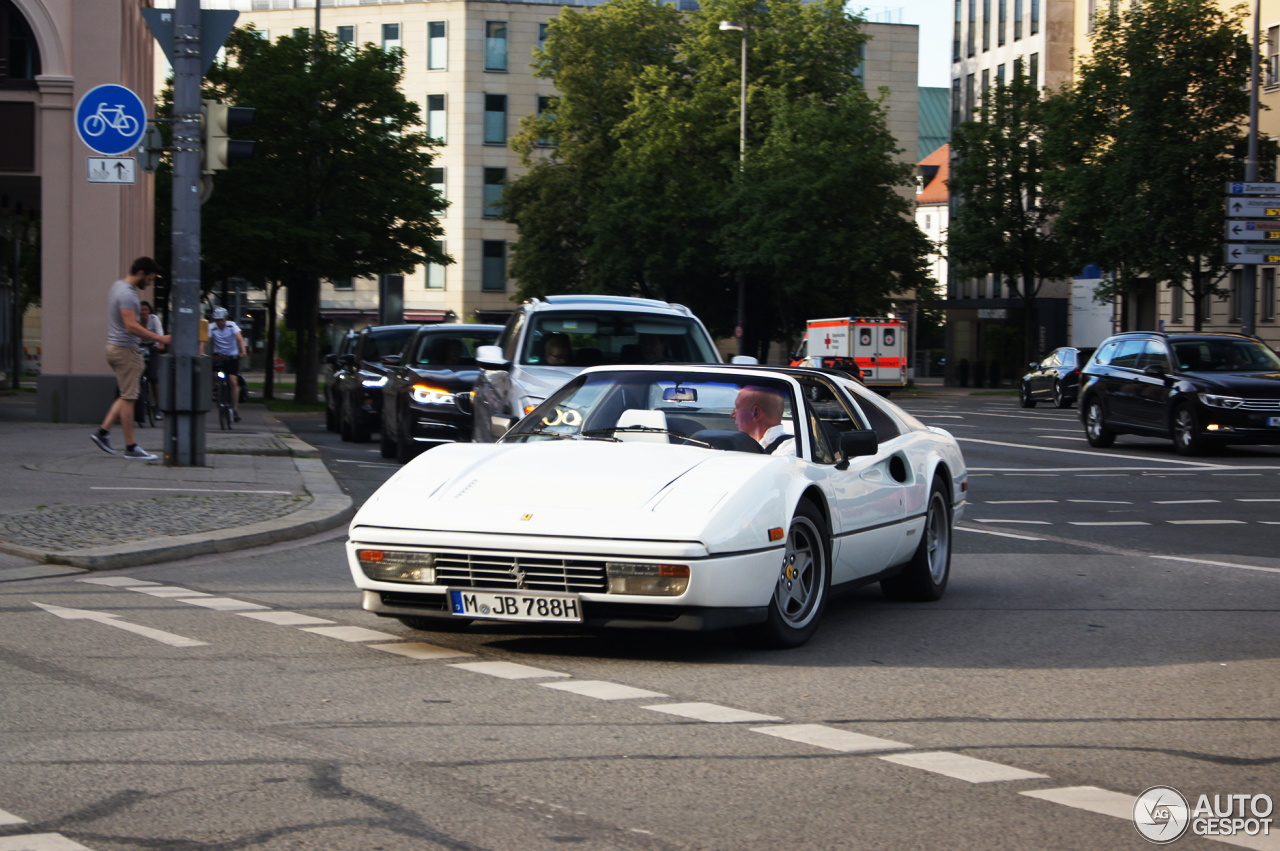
point(103, 441)
point(137, 453)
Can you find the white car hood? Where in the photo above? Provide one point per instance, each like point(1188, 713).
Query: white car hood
point(564, 489)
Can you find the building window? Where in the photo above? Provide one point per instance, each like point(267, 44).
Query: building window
point(999, 76)
point(495, 119)
point(973, 27)
point(1002, 24)
point(1035, 16)
point(995, 286)
point(495, 45)
point(265, 35)
point(544, 108)
point(1175, 305)
point(435, 177)
point(1233, 300)
point(435, 272)
point(437, 46)
point(437, 118)
point(390, 36)
point(1017, 20)
point(493, 272)
point(1268, 293)
point(543, 30)
point(968, 98)
point(986, 88)
point(494, 178)
point(344, 284)
point(346, 35)
point(1033, 70)
point(986, 25)
point(955, 103)
point(955, 36)
point(301, 32)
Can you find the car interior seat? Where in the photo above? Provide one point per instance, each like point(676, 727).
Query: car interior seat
point(645, 419)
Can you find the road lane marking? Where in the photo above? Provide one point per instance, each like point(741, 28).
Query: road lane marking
point(831, 738)
point(1185, 501)
point(113, 620)
point(1237, 474)
point(183, 490)
point(419, 650)
point(170, 591)
point(1062, 437)
point(1023, 522)
point(1220, 564)
point(1102, 501)
point(1109, 523)
point(1020, 501)
point(223, 604)
point(999, 534)
point(961, 767)
point(1204, 522)
point(1089, 798)
point(117, 581)
point(712, 713)
point(350, 633)
point(41, 842)
point(507, 670)
point(1238, 499)
point(1089, 452)
point(284, 618)
point(10, 818)
point(602, 690)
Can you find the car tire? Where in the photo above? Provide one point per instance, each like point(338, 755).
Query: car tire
point(434, 624)
point(924, 578)
point(1185, 427)
point(1024, 396)
point(351, 424)
point(1095, 425)
point(344, 424)
point(804, 582)
point(386, 446)
point(1060, 399)
point(330, 417)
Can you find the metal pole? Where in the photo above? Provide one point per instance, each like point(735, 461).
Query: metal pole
point(184, 428)
point(1249, 273)
point(742, 161)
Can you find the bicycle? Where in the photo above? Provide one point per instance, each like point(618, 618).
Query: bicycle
point(97, 124)
point(144, 409)
point(222, 395)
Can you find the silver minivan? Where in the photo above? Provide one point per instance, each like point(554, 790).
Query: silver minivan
point(548, 341)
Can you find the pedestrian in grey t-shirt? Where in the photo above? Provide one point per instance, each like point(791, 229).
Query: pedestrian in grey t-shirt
point(124, 356)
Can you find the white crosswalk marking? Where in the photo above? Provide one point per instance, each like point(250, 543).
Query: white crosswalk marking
point(506, 670)
point(10, 818)
point(711, 713)
point(961, 767)
point(116, 581)
point(830, 738)
point(40, 842)
point(223, 604)
point(350, 633)
point(602, 690)
point(284, 618)
point(418, 650)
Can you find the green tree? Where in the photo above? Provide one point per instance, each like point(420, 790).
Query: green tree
point(1148, 135)
point(1003, 224)
point(338, 184)
point(644, 193)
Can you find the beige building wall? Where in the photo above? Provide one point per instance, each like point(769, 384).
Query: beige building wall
point(90, 232)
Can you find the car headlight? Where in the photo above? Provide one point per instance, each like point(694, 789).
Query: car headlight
point(380, 381)
point(424, 394)
point(530, 403)
point(654, 580)
point(1214, 401)
point(398, 566)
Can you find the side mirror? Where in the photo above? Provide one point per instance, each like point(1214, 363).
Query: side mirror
point(744, 360)
point(855, 444)
point(1033, 365)
point(1155, 370)
point(331, 359)
point(491, 357)
point(391, 360)
point(347, 360)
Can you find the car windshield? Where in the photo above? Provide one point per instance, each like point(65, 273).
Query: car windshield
point(450, 349)
point(385, 343)
point(591, 337)
point(1225, 355)
point(721, 411)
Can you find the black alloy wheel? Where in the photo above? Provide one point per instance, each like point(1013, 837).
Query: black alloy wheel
point(1095, 425)
point(1024, 396)
point(1187, 439)
point(1060, 399)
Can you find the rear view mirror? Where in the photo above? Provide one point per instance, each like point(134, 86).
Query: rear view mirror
point(391, 360)
point(679, 394)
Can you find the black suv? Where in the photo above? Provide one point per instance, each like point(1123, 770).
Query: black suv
point(1201, 390)
point(360, 377)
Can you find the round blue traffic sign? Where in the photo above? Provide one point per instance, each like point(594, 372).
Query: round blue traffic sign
point(111, 119)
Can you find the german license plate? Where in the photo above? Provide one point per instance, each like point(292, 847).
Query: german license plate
point(515, 606)
point(1273, 421)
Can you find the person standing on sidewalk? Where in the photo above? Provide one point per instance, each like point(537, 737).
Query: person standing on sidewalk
point(228, 348)
point(148, 319)
point(123, 333)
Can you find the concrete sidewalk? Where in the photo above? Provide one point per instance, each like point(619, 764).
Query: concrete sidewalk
point(63, 501)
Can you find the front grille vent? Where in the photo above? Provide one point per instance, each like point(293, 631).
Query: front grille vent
point(532, 573)
point(1261, 405)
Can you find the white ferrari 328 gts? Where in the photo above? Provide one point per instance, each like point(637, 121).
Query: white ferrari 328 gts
point(678, 497)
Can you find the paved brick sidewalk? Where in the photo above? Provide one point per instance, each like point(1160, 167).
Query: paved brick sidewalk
point(63, 501)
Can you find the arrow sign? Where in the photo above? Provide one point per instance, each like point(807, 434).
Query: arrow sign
point(1249, 208)
point(1239, 188)
point(113, 620)
point(1264, 230)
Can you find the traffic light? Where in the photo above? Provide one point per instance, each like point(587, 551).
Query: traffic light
point(220, 151)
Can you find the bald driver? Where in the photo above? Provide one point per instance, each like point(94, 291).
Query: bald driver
point(758, 412)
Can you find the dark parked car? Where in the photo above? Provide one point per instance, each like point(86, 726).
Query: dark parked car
point(358, 383)
point(427, 397)
point(332, 374)
point(1200, 390)
point(1054, 379)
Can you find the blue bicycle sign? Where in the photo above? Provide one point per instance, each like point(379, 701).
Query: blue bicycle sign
point(111, 119)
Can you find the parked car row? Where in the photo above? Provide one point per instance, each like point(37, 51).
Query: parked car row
point(1200, 390)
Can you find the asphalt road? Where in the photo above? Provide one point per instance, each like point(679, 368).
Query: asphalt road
point(1068, 669)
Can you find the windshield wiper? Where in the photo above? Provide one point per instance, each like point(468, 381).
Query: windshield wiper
point(558, 435)
point(639, 429)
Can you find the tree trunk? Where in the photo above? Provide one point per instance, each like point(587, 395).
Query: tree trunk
point(269, 381)
point(306, 365)
point(1197, 299)
point(1030, 323)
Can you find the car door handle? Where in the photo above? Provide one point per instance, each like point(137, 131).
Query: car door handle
point(875, 474)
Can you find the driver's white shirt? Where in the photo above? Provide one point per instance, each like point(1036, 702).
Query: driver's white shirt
point(786, 447)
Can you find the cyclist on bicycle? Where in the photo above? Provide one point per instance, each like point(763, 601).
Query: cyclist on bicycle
point(147, 319)
point(228, 348)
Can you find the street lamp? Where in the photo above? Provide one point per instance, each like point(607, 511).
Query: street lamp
point(731, 26)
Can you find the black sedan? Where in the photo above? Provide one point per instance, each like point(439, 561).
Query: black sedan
point(333, 376)
point(1054, 379)
point(358, 383)
point(427, 398)
point(1200, 390)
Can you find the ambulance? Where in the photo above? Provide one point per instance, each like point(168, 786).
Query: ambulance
point(872, 348)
